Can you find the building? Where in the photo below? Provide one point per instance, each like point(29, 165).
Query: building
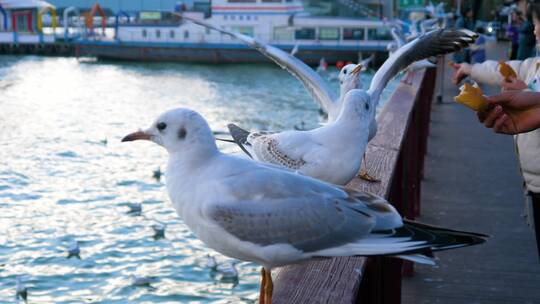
point(21, 21)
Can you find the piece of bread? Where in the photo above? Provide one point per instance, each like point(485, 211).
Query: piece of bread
point(472, 97)
point(506, 71)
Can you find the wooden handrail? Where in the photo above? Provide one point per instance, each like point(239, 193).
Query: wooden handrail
point(395, 156)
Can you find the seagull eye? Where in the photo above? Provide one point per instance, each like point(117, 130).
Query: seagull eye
point(345, 72)
point(366, 106)
point(161, 126)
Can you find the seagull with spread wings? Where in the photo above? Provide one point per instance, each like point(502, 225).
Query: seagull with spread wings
point(331, 152)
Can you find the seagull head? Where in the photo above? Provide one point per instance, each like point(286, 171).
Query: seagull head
point(349, 78)
point(179, 130)
point(357, 107)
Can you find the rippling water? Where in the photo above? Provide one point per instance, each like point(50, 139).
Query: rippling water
point(65, 176)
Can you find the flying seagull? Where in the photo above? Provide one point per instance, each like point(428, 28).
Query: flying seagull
point(331, 152)
point(271, 216)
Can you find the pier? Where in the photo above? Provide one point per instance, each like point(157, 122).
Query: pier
point(440, 166)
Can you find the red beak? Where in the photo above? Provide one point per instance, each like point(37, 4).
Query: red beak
point(136, 136)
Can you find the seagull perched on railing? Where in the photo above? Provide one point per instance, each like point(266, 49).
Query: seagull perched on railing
point(330, 153)
point(293, 149)
point(271, 216)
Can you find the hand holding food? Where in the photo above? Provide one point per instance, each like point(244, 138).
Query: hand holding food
point(472, 97)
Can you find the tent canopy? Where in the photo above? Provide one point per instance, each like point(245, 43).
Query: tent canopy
point(16, 4)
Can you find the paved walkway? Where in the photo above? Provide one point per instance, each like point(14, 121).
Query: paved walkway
point(472, 182)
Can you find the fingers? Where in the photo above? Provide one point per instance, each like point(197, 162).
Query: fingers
point(503, 125)
point(482, 115)
point(502, 98)
point(458, 76)
point(492, 116)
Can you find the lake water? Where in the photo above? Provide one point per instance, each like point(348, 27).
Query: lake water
point(65, 176)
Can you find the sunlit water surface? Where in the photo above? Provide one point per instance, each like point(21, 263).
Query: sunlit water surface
point(65, 176)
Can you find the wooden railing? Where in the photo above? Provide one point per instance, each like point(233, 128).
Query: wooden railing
point(396, 157)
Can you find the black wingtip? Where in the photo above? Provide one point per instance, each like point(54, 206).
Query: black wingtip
point(444, 239)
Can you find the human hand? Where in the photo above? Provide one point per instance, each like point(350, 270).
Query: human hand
point(462, 70)
point(513, 85)
point(512, 112)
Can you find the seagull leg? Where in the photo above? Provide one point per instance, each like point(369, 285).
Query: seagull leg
point(364, 174)
point(262, 294)
point(269, 287)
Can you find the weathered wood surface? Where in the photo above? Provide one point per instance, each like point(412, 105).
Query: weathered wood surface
point(338, 280)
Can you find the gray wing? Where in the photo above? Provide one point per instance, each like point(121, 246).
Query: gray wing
point(315, 85)
point(434, 43)
point(309, 223)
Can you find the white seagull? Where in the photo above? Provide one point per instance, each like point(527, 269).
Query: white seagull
point(331, 152)
point(254, 212)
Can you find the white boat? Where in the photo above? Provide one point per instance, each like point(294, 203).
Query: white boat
point(162, 36)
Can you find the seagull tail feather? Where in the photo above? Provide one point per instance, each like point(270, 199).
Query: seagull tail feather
point(240, 137)
point(412, 241)
point(443, 238)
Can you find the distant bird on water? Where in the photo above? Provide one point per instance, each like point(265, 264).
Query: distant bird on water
point(134, 208)
point(271, 216)
point(140, 281)
point(74, 250)
point(159, 230)
point(156, 174)
point(21, 292)
point(211, 262)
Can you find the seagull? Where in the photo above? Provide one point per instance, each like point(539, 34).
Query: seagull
point(159, 230)
point(134, 208)
point(74, 251)
point(211, 262)
point(227, 273)
point(260, 213)
point(20, 290)
point(427, 45)
point(140, 281)
point(330, 153)
point(323, 65)
point(156, 174)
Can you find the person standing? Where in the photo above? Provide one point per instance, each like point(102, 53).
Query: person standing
point(512, 33)
point(527, 41)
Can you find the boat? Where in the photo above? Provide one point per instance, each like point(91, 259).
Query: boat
point(164, 36)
